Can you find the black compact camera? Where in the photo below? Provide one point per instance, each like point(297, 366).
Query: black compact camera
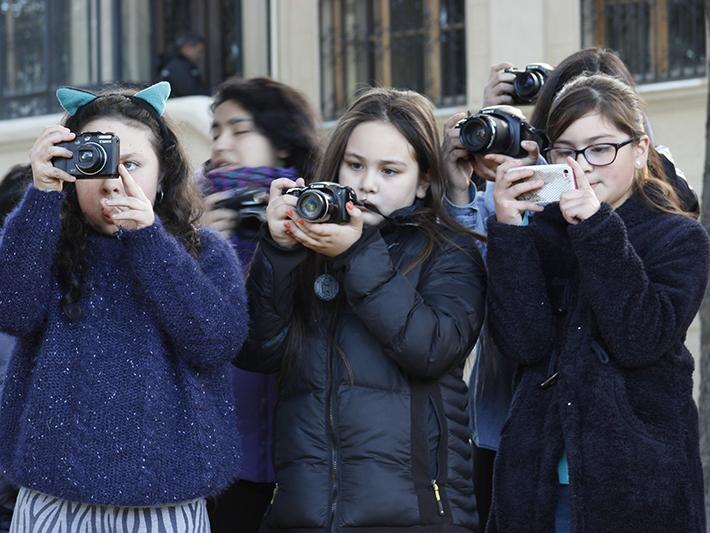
point(94, 155)
point(323, 201)
point(528, 82)
point(497, 129)
point(250, 205)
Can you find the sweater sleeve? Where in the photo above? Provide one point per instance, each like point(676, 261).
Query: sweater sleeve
point(425, 329)
point(642, 305)
point(28, 245)
point(521, 316)
point(200, 303)
point(271, 285)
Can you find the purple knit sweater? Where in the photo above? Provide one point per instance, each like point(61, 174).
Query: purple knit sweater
point(132, 404)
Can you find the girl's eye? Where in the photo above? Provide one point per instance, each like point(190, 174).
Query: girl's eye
point(355, 165)
point(130, 165)
point(389, 171)
point(599, 149)
point(240, 132)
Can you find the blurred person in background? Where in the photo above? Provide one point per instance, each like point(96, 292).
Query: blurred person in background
point(181, 68)
point(261, 130)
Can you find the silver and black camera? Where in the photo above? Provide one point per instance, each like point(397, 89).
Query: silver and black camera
point(94, 155)
point(497, 129)
point(528, 82)
point(323, 201)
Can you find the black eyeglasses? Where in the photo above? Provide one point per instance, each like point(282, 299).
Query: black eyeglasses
point(598, 155)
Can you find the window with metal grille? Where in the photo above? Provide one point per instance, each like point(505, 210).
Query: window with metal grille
point(47, 43)
point(659, 40)
point(408, 44)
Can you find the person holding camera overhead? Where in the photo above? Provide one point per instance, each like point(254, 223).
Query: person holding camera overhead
point(497, 128)
point(116, 410)
point(593, 299)
point(366, 298)
point(261, 130)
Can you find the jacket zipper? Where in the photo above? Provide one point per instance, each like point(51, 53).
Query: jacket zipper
point(434, 484)
point(437, 497)
point(271, 503)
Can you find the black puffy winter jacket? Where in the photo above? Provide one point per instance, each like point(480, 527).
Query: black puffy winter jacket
point(371, 429)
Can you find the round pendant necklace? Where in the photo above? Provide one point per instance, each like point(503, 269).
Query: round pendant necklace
point(326, 287)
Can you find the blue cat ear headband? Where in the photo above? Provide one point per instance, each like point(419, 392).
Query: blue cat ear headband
point(155, 96)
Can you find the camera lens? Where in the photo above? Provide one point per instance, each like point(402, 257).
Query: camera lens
point(91, 159)
point(485, 134)
point(527, 85)
point(313, 206)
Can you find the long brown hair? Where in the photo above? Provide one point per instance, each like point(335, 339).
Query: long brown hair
point(179, 206)
point(621, 106)
point(413, 116)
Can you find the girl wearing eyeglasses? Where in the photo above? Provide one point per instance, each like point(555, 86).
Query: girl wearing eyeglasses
point(593, 300)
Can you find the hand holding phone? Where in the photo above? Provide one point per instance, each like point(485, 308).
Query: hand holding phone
point(557, 179)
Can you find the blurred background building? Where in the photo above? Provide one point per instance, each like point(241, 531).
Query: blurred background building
point(330, 48)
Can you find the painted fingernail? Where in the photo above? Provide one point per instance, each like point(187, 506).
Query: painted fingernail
point(289, 213)
point(301, 222)
point(287, 225)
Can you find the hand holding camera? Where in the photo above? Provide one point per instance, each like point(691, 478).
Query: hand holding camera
point(324, 217)
point(497, 130)
point(46, 176)
point(278, 209)
point(515, 86)
point(528, 82)
point(499, 87)
point(457, 164)
point(556, 179)
point(510, 186)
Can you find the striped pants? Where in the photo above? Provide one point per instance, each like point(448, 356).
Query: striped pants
point(36, 512)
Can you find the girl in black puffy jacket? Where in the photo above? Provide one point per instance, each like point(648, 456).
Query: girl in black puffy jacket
point(368, 317)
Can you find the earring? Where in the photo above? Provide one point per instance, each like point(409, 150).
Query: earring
point(638, 163)
point(159, 197)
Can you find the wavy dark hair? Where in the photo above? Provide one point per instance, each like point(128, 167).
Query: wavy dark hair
point(178, 207)
point(413, 116)
point(282, 114)
point(621, 106)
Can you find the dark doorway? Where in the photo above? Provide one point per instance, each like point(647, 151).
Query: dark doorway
point(219, 21)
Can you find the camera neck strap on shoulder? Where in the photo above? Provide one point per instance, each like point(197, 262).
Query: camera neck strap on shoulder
point(153, 99)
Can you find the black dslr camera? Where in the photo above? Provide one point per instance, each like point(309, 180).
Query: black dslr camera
point(94, 155)
point(250, 205)
point(497, 129)
point(528, 82)
point(323, 201)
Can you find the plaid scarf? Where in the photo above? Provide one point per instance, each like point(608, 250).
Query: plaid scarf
point(235, 178)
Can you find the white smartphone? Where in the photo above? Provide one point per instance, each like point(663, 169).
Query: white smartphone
point(557, 178)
